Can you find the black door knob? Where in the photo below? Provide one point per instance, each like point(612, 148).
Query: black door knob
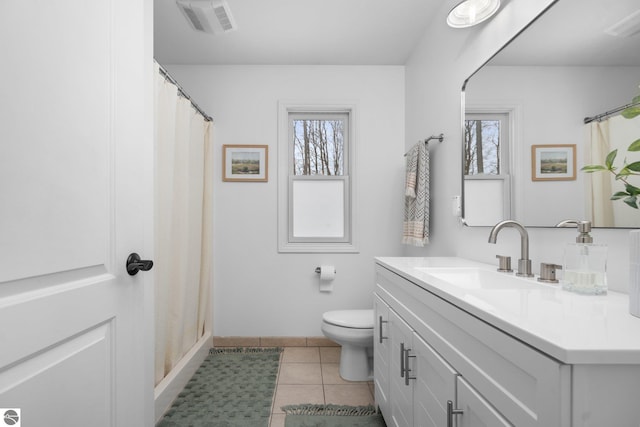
point(135, 264)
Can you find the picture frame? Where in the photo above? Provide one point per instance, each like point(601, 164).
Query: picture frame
point(245, 163)
point(553, 162)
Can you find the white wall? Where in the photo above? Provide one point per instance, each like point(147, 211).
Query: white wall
point(434, 77)
point(257, 291)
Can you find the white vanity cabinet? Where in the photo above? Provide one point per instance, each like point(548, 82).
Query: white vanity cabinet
point(505, 352)
point(420, 386)
point(381, 353)
point(439, 354)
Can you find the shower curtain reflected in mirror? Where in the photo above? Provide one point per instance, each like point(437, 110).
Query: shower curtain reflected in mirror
point(601, 138)
point(599, 207)
point(183, 223)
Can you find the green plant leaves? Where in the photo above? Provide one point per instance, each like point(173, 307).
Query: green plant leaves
point(632, 190)
point(631, 195)
point(634, 110)
point(619, 195)
point(593, 168)
point(632, 201)
point(610, 159)
point(635, 166)
point(635, 146)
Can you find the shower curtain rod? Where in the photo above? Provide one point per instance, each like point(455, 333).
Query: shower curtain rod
point(182, 92)
point(605, 115)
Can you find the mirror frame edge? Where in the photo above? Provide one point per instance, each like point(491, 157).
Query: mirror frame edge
point(463, 112)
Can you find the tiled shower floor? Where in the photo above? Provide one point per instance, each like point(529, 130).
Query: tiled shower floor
point(310, 375)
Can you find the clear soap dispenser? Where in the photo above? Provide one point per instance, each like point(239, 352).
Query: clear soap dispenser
point(585, 263)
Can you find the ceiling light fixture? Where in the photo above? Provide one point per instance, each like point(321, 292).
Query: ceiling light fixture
point(472, 12)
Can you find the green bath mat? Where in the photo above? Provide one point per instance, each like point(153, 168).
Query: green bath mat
point(332, 416)
point(232, 388)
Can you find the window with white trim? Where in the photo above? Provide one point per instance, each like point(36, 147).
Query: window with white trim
point(315, 185)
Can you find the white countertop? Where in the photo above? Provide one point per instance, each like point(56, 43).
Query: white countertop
point(572, 328)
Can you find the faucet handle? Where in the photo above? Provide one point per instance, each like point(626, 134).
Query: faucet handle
point(548, 272)
point(504, 263)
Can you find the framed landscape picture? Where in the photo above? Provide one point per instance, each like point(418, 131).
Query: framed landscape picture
point(245, 163)
point(553, 162)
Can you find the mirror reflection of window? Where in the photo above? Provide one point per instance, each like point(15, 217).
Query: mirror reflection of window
point(486, 147)
point(482, 146)
point(486, 168)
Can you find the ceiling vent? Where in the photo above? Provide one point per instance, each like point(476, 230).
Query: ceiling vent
point(208, 16)
point(627, 27)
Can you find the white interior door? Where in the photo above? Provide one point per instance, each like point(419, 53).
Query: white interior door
point(76, 193)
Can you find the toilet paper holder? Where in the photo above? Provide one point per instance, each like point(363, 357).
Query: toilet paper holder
point(318, 270)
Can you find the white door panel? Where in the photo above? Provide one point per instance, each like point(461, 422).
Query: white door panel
point(76, 197)
point(401, 394)
point(381, 354)
point(83, 365)
point(476, 411)
point(435, 384)
point(55, 135)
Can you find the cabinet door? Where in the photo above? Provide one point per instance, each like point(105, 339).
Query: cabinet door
point(476, 411)
point(434, 385)
point(401, 395)
point(381, 355)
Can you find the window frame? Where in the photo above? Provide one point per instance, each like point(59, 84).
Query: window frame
point(287, 243)
point(513, 178)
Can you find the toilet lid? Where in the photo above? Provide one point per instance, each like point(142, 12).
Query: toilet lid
point(357, 319)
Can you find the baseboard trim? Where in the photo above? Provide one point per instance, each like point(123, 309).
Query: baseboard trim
point(233, 341)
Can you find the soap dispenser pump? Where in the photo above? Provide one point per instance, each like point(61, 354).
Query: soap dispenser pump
point(585, 263)
point(584, 228)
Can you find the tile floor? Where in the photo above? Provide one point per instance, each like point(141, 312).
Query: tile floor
point(310, 375)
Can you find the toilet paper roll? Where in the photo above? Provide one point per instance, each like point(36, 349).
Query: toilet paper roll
point(327, 274)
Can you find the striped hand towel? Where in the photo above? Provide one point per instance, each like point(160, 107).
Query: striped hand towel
point(416, 205)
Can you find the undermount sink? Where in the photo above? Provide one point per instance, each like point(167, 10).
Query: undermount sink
point(478, 278)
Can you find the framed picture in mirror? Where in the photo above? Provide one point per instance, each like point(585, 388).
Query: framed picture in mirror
point(553, 162)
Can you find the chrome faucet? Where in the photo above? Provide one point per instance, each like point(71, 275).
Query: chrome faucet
point(524, 263)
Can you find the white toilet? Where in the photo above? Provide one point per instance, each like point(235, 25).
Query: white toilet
point(353, 330)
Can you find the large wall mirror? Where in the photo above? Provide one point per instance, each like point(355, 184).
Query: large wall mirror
point(525, 137)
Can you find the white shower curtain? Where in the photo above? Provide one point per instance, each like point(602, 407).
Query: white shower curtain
point(183, 218)
point(598, 204)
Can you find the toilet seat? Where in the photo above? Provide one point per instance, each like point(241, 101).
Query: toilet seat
point(354, 319)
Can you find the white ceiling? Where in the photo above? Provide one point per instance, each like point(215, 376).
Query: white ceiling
point(572, 33)
point(292, 32)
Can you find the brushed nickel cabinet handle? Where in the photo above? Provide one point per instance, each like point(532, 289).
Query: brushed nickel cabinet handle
point(451, 412)
point(381, 322)
point(401, 360)
point(407, 377)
